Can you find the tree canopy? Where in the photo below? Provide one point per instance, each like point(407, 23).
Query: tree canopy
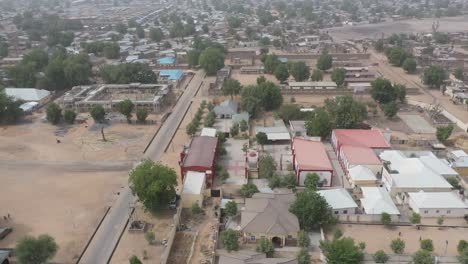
point(98, 113)
point(211, 60)
point(231, 87)
point(444, 132)
point(396, 56)
point(324, 62)
point(10, 110)
point(345, 112)
point(126, 107)
point(397, 246)
point(423, 257)
point(341, 250)
point(317, 75)
point(128, 73)
point(248, 189)
point(31, 250)
point(338, 76)
point(409, 65)
point(265, 95)
point(156, 34)
point(266, 246)
point(53, 113)
point(434, 76)
point(231, 208)
point(312, 210)
point(281, 73)
point(229, 238)
point(154, 184)
point(300, 71)
point(319, 124)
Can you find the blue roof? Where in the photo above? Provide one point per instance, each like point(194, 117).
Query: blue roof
point(166, 60)
point(172, 75)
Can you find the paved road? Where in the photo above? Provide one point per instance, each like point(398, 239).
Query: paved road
point(103, 243)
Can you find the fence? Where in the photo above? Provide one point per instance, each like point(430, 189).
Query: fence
point(369, 219)
point(170, 240)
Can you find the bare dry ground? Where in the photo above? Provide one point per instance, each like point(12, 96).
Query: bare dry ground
point(447, 24)
point(378, 237)
point(63, 189)
point(251, 79)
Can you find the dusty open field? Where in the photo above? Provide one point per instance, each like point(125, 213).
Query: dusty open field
point(64, 189)
point(447, 24)
point(251, 79)
point(378, 237)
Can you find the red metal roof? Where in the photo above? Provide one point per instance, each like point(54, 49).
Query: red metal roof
point(360, 155)
point(201, 152)
point(361, 138)
point(311, 155)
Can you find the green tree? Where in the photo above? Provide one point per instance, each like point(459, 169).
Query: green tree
point(31, 250)
point(426, 244)
point(262, 79)
point(300, 71)
point(69, 116)
point(121, 28)
point(234, 130)
point(193, 57)
point(266, 167)
point(270, 63)
point(312, 210)
point(383, 91)
point(265, 41)
point(319, 124)
point(338, 76)
point(458, 73)
point(38, 57)
point(266, 246)
point(156, 34)
point(196, 209)
point(98, 113)
point(243, 125)
point(317, 75)
point(311, 181)
point(397, 246)
point(462, 246)
point(434, 76)
point(23, 74)
point(379, 45)
point(140, 32)
point(135, 260)
point(248, 189)
point(325, 61)
point(454, 182)
point(345, 112)
point(303, 256)
point(229, 238)
point(111, 51)
point(150, 237)
point(380, 257)
point(211, 60)
point(441, 38)
point(191, 129)
point(303, 239)
point(128, 73)
point(409, 65)
point(77, 69)
point(289, 112)
point(231, 208)
point(54, 113)
point(343, 250)
point(423, 257)
point(396, 56)
point(415, 218)
point(440, 220)
point(261, 138)
point(400, 91)
point(390, 109)
point(10, 110)
point(154, 184)
point(141, 114)
point(3, 49)
point(126, 107)
point(281, 73)
point(443, 133)
point(290, 181)
point(231, 87)
point(386, 219)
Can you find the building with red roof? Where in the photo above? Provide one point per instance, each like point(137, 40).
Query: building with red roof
point(200, 156)
point(311, 157)
point(359, 147)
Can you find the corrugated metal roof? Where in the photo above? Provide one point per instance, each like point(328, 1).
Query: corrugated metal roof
point(27, 94)
point(201, 152)
point(311, 155)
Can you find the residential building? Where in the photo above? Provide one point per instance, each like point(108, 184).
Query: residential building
point(268, 216)
point(435, 204)
point(298, 128)
point(193, 188)
point(200, 156)
point(312, 85)
point(226, 109)
point(350, 156)
point(340, 201)
point(311, 157)
point(402, 174)
point(29, 94)
point(376, 200)
point(277, 132)
point(252, 69)
point(173, 77)
point(362, 176)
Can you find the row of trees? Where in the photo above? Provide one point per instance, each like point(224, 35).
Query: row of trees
point(192, 127)
point(340, 112)
point(128, 73)
point(387, 95)
point(110, 50)
point(61, 71)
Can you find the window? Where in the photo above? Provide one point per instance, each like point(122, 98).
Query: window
point(345, 211)
point(252, 238)
point(290, 237)
point(426, 211)
point(336, 212)
point(448, 211)
point(437, 211)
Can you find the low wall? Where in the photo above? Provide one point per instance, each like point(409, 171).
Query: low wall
point(171, 236)
point(336, 56)
point(365, 218)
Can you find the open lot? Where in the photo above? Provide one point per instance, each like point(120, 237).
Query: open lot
point(447, 24)
point(64, 189)
point(378, 237)
point(251, 79)
point(418, 124)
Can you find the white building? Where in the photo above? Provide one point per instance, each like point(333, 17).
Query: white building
point(376, 200)
point(192, 190)
point(340, 201)
point(402, 174)
point(435, 204)
point(361, 176)
point(28, 94)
